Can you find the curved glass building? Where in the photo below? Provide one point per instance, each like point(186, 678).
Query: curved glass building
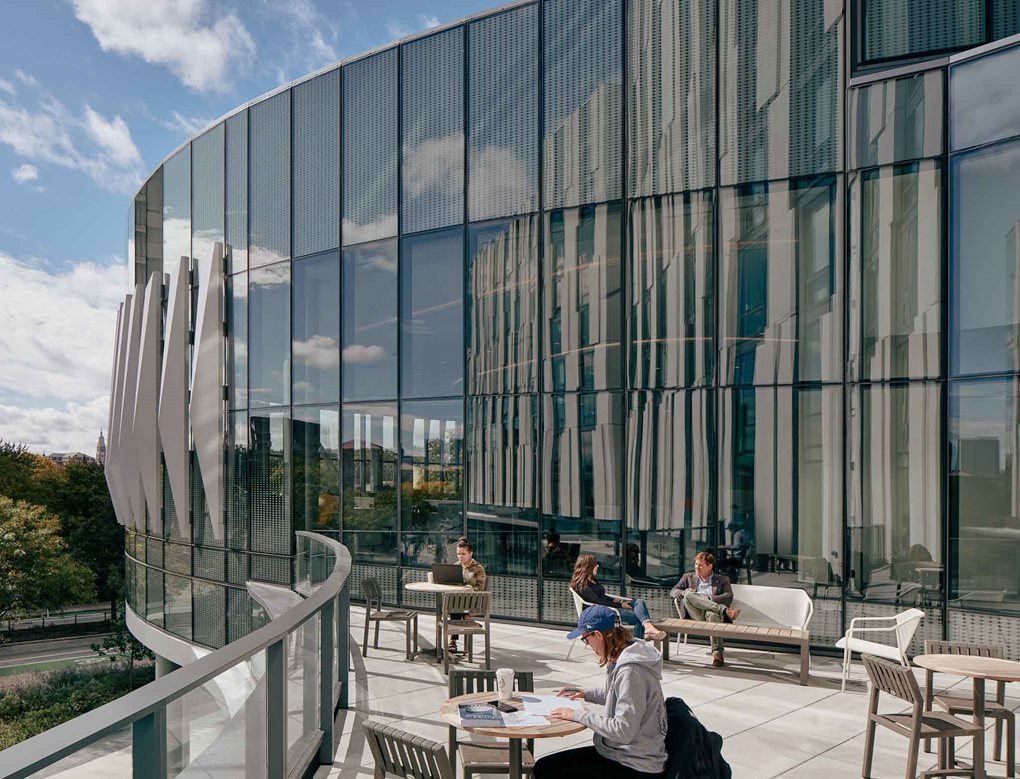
point(628, 277)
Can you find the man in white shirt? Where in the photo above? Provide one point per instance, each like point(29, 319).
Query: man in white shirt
point(705, 595)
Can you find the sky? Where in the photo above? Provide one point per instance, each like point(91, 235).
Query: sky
point(93, 95)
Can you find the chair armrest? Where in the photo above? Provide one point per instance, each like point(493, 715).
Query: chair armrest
point(614, 596)
point(855, 620)
point(869, 630)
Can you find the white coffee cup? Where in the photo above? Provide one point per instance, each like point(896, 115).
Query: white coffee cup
point(505, 683)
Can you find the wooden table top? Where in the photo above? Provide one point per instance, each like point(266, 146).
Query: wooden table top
point(557, 727)
point(990, 668)
point(432, 587)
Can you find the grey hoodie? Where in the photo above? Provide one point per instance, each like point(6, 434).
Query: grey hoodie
point(633, 730)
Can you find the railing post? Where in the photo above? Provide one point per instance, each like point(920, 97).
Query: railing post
point(276, 709)
point(148, 746)
point(343, 624)
point(326, 632)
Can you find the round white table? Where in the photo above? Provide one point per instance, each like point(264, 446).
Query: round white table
point(438, 589)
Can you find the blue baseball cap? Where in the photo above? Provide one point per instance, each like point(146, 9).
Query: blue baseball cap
point(595, 618)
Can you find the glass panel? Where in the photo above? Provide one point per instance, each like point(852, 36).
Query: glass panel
point(432, 326)
point(219, 729)
point(370, 321)
point(582, 480)
point(984, 494)
point(268, 336)
point(895, 29)
point(207, 193)
point(432, 108)
point(237, 190)
point(237, 481)
point(270, 180)
point(210, 606)
point(177, 618)
point(503, 114)
point(269, 469)
point(672, 291)
point(302, 689)
point(237, 339)
point(370, 148)
point(984, 100)
point(95, 758)
point(782, 107)
point(583, 96)
point(431, 480)
point(502, 483)
point(671, 113)
point(781, 484)
point(502, 301)
point(896, 120)
point(317, 164)
point(896, 271)
point(582, 298)
point(895, 522)
point(672, 496)
point(370, 481)
point(781, 285)
point(154, 227)
point(316, 344)
point(1006, 18)
point(985, 234)
point(316, 442)
point(177, 207)
point(154, 596)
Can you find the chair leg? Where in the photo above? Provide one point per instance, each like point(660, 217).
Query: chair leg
point(364, 644)
point(1011, 747)
point(915, 744)
point(846, 668)
point(941, 753)
point(407, 639)
point(997, 751)
point(488, 665)
point(869, 749)
point(376, 644)
point(951, 753)
point(570, 648)
point(470, 647)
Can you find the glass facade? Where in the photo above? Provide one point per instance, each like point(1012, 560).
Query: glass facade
point(615, 276)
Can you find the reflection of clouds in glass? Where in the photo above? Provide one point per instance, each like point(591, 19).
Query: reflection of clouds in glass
point(380, 260)
point(435, 165)
point(364, 353)
point(383, 227)
point(176, 238)
point(203, 243)
point(272, 276)
point(985, 99)
point(319, 351)
point(260, 255)
point(501, 183)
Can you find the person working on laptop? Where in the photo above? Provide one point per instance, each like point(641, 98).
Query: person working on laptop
point(474, 577)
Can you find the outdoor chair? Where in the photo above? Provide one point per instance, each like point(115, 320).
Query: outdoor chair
point(398, 753)
point(373, 594)
point(964, 704)
point(580, 604)
point(475, 606)
point(487, 757)
point(902, 626)
point(898, 681)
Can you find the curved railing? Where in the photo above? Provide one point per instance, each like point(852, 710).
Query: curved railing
point(260, 706)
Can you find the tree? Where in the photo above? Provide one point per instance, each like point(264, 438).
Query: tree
point(36, 570)
point(120, 643)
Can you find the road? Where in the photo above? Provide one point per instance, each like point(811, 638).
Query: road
point(45, 655)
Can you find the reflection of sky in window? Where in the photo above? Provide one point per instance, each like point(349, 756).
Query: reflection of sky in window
point(984, 98)
point(981, 419)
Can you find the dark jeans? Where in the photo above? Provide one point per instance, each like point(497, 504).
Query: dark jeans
point(636, 616)
point(587, 763)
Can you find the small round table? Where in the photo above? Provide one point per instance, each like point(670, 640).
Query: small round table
point(979, 669)
point(438, 589)
point(448, 712)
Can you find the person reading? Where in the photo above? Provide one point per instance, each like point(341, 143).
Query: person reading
point(630, 737)
point(705, 595)
point(474, 577)
point(633, 611)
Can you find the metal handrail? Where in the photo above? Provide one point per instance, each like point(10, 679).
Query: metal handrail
point(149, 703)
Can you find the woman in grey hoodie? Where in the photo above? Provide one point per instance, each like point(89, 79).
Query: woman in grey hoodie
point(630, 739)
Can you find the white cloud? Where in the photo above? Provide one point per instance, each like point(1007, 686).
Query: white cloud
point(396, 29)
point(188, 125)
point(48, 132)
point(361, 353)
point(319, 351)
point(56, 346)
point(428, 22)
point(312, 38)
point(202, 48)
point(25, 173)
point(25, 78)
point(7, 86)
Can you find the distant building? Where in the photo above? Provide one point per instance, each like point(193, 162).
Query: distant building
point(101, 449)
point(63, 458)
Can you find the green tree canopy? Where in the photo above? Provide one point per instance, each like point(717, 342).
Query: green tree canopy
point(36, 569)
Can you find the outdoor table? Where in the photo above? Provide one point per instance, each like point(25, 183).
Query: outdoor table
point(448, 712)
point(979, 669)
point(438, 589)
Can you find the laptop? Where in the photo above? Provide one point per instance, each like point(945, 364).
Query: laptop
point(447, 574)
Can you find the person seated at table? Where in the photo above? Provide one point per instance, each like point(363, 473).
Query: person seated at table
point(633, 611)
point(630, 738)
point(474, 577)
point(706, 596)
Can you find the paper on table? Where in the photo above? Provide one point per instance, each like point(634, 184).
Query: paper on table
point(523, 719)
point(543, 704)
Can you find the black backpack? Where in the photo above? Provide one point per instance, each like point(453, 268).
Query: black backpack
point(693, 751)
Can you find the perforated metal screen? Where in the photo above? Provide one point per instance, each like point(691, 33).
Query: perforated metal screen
point(317, 164)
point(237, 190)
point(269, 164)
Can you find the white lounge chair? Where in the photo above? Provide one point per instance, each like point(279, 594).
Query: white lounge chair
point(902, 625)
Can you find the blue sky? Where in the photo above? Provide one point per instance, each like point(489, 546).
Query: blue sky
point(93, 94)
